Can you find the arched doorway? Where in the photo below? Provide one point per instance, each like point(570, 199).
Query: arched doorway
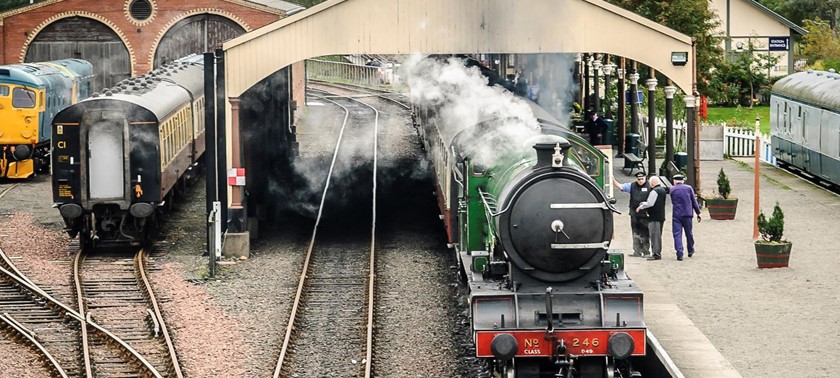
point(195, 34)
point(84, 38)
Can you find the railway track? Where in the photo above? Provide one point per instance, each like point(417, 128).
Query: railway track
point(330, 329)
point(5, 188)
point(70, 342)
point(114, 290)
point(361, 92)
point(34, 318)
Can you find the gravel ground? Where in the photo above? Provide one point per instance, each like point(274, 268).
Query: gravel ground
point(232, 325)
point(31, 237)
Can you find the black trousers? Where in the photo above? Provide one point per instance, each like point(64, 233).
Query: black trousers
point(641, 236)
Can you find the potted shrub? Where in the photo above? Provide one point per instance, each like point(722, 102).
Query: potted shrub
point(771, 251)
point(722, 207)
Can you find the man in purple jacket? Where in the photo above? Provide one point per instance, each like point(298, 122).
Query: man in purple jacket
point(684, 205)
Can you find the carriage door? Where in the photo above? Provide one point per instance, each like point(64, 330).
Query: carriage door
point(106, 162)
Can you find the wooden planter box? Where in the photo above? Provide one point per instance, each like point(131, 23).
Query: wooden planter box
point(772, 255)
point(722, 209)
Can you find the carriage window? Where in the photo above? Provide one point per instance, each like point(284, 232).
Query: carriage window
point(803, 121)
point(4, 90)
point(23, 98)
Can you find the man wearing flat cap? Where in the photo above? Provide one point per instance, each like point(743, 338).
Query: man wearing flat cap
point(639, 191)
point(684, 205)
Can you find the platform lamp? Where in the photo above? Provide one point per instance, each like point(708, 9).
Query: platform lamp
point(609, 68)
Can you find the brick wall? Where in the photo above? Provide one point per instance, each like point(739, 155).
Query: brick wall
point(19, 27)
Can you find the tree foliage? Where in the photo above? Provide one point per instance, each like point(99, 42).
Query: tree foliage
point(723, 184)
point(773, 229)
point(797, 11)
point(741, 79)
point(821, 46)
point(691, 17)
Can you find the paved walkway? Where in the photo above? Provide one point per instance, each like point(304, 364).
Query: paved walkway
point(717, 312)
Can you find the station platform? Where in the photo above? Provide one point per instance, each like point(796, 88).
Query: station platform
point(717, 314)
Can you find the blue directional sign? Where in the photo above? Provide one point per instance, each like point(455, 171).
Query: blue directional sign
point(628, 96)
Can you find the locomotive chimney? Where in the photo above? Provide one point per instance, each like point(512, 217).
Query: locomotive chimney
point(552, 153)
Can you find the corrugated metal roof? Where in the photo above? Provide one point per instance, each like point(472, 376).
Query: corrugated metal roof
point(819, 88)
point(285, 6)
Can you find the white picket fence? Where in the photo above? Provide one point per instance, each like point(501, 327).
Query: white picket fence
point(737, 142)
point(740, 142)
point(679, 131)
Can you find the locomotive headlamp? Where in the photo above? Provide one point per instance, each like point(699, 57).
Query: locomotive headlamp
point(141, 210)
point(21, 151)
point(557, 157)
point(70, 210)
point(620, 345)
point(504, 346)
point(27, 119)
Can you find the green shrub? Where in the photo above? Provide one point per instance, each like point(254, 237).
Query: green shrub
point(772, 230)
point(723, 184)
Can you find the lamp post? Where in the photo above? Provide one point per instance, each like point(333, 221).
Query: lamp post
point(596, 67)
point(608, 70)
point(651, 84)
point(622, 124)
point(757, 176)
point(634, 105)
point(670, 90)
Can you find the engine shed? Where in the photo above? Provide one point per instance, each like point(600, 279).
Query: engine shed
point(129, 37)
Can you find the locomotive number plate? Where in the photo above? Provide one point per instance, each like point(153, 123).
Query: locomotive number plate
point(578, 342)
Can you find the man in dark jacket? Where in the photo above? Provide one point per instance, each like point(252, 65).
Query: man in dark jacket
point(684, 205)
point(639, 191)
point(655, 206)
point(597, 128)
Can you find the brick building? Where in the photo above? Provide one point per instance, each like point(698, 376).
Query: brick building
point(123, 38)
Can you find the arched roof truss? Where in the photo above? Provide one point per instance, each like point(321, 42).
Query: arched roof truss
point(454, 26)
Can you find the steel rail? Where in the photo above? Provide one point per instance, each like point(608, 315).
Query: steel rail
point(9, 189)
point(350, 87)
point(304, 273)
point(131, 352)
point(306, 267)
point(140, 266)
point(28, 335)
point(80, 299)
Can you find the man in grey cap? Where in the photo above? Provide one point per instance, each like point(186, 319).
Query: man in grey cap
point(639, 191)
point(684, 205)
